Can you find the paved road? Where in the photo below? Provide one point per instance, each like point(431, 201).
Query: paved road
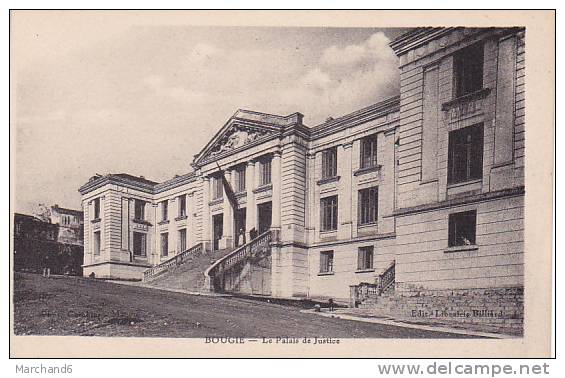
point(79, 306)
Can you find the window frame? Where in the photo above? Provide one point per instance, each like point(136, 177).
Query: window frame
point(326, 262)
point(164, 244)
point(217, 188)
point(453, 220)
point(182, 232)
point(182, 205)
point(164, 210)
point(139, 210)
point(370, 211)
point(329, 221)
point(143, 252)
point(468, 62)
point(265, 172)
point(459, 143)
point(97, 243)
point(365, 257)
point(329, 163)
point(368, 161)
point(96, 205)
point(240, 184)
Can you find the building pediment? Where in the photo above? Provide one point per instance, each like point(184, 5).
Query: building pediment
point(238, 134)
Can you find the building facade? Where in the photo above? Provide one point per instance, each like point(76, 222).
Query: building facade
point(429, 183)
point(71, 224)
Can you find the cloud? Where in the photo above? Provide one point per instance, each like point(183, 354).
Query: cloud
point(345, 79)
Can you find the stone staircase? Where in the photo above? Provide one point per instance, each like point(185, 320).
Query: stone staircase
point(188, 275)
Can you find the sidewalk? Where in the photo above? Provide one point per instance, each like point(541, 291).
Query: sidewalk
point(365, 316)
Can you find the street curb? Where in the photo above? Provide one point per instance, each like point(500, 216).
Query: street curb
point(196, 293)
point(413, 326)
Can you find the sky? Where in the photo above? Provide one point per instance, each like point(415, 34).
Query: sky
point(99, 94)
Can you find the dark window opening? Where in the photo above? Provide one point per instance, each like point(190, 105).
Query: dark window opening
point(326, 262)
point(139, 244)
point(182, 205)
point(164, 244)
point(468, 70)
point(465, 154)
point(369, 152)
point(368, 205)
point(265, 172)
point(96, 208)
point(328, 207)
point(365, 258)
point(164, 210)
point(462, 228)
point(329, 162)
point(139, 210)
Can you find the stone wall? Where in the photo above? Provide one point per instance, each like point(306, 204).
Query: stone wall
point(498, 309)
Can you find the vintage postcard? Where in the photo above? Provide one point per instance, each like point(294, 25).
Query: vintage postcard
point(281, 183)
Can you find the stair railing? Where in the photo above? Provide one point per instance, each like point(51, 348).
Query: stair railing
point(177, 260)
point(254, 249)
point(387, 277)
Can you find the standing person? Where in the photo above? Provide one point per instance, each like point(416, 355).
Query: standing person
point(241, 238)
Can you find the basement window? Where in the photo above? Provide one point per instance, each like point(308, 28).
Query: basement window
point(326, 262)
point(462, 228)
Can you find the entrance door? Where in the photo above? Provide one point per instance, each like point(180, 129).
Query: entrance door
point(218, 222)
point(265, 212)
point(239, 227)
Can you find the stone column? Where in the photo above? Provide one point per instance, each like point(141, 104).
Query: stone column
point(228, 217)
point(276, 181)
point(345, 191)
point(190, 220)
point(104, 252)
point(250, 207)
point(206, 226)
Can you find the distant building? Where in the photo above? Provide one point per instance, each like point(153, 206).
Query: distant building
point(71, 224)
point(56, 244)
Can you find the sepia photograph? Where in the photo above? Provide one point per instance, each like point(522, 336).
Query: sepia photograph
point(267, 185)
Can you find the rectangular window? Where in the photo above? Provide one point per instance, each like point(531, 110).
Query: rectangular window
point(265, 172)
point(462, 228)
point(328, 208)
point(239, 179)
point(468, 70)
point(182, 205)
point(96, 208)
point(139, 210)
point(165, 244)
point(182, 240)
point(369, 152)
point(97, 243)
point(329, 162)
point(368, 205)
point(139, 244)
point(217, 188)
point(465, 160)
point(164, 210)
point(326, 262)
point(365, 258)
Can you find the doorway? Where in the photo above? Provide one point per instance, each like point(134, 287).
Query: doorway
point(218, 230)
point(239, 225)
point(265, 211)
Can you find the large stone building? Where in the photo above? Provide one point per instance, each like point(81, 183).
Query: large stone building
point(421, 192)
